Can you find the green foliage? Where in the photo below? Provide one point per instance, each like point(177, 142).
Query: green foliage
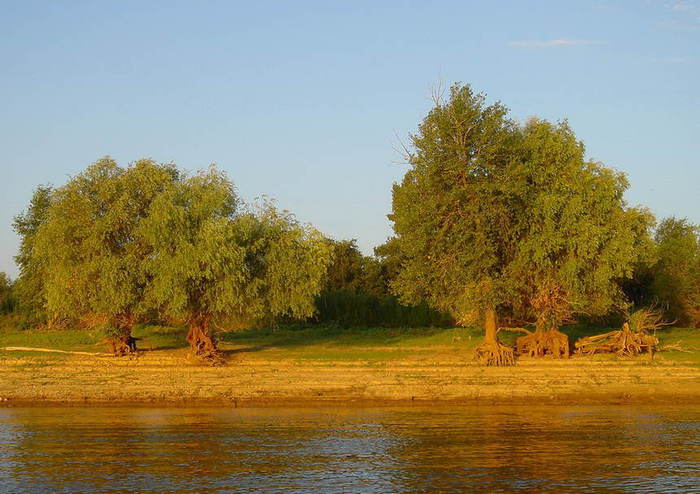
point(212, 259)
point(30, 286)
point(288, 261)
point(574, 235)
point(7, 296)
point(675, 283)
point(494, 215)
point(90, 244)
point(356, 293)
point(353, 271)
point(349, 308)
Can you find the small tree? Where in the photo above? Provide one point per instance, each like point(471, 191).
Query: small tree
point(7, 300)
point(353, 271)
point(676, 275)
point(92, 248)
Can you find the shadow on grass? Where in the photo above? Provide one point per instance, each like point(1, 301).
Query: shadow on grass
point(266, 338)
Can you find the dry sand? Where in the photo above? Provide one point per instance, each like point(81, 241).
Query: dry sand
point(166, 376)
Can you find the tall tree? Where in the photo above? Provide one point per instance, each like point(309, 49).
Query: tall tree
point(29, 286)
point(92, 247)
point(676, 275)
point(496, 218)
point(575, 237)
point(213, 259)
point(452, 221)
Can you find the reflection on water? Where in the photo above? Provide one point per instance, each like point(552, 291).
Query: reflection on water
point(92, 449)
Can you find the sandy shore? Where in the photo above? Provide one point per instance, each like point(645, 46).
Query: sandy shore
point(252, 379)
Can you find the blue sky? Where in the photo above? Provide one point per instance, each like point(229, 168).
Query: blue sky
point(307, 102)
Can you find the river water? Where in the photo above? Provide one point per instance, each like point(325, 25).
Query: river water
point(416, 449)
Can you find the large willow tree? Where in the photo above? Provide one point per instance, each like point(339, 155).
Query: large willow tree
point(496, 218)
point(575, 237)
point(91, 248)
point(213, 259)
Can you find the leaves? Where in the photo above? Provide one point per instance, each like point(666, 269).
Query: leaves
point(493, 214)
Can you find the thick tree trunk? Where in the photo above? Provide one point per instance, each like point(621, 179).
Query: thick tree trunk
point(122, 343)
point(203, 343)
point(491, 352)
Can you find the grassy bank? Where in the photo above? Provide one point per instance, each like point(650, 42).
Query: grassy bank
point(316, 364)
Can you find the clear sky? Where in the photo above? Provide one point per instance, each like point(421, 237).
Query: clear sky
point(307, 102)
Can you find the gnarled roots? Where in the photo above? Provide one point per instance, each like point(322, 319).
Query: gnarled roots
point(623, 342)
point(203, 345)
point(122, 345)
point(495, 354)
point(541, 343)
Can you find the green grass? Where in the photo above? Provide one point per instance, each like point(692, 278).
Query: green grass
point(86, 340)
point(371, 345)
point(328, 344)
point(160, 337)
point(688, 339)
point(79, 340)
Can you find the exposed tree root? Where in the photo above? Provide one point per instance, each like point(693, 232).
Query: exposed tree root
point(623, 342)
point(541, 343)
point(493, 353)
point(203, 345)
point(121, 345)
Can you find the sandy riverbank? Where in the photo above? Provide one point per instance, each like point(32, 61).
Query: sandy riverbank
point(265, 378)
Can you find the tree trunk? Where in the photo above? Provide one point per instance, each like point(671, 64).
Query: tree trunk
point(122, 343)
point(491, 352)
point(490, 326)
point(202, 342)
point(545, 340)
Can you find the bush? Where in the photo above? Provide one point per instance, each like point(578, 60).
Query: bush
point(348, 308)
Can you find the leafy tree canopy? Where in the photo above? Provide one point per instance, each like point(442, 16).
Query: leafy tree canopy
point(29, 286)
point(91, 243)
point(215, 259)
point(676, 275)
point(495, 215)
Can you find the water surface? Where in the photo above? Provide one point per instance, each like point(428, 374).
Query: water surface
point(494, 449)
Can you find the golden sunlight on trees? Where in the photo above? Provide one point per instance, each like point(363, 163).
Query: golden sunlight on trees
point(116, 245)
point(497, 219)
point(497, 223)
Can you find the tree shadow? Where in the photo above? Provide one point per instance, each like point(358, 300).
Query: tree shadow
point(266, 338)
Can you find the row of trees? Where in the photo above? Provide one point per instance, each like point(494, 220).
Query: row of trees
point(115, 245)
point(493, 219)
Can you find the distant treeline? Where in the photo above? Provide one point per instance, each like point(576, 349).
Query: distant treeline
point(357, 292)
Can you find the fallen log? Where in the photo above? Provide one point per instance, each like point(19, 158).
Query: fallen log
point(623, 342)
